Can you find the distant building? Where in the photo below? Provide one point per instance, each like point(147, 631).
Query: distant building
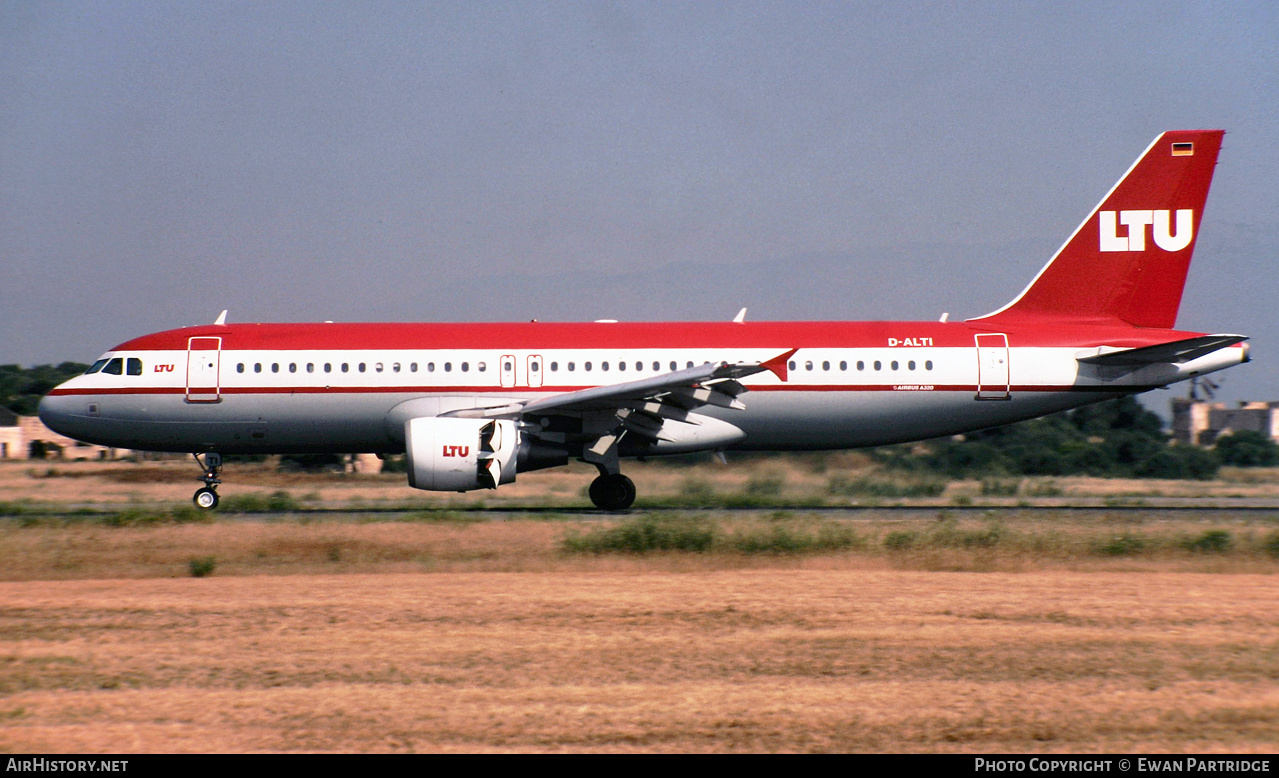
point(1198, 423)
point(26, 437)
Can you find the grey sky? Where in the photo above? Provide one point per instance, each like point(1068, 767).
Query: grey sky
point(655, 160)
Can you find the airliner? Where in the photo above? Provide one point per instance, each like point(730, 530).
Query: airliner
point(473, 405)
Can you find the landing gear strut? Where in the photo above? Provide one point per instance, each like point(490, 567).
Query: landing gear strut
point(207, 497)
point(612, 492)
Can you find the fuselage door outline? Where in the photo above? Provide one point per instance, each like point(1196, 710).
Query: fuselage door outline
point(993, 376)
point(204, 356)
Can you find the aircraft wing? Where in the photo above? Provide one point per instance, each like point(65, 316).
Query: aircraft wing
point(681, 390)
point(659, 410)
point(1178, 351)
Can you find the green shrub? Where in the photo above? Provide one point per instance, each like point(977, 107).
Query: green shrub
point(135, 517)
point(1272, 544)
point(877, 487)
point(279, 501)
point(1213, 541)
point(1247, 448)
point(766, 485)
point(948, 533)
point(201, 567)
point(1000, 487)
point(1043, 489)
point(785, 538)
point(696, 490)
point(1122, 545)
point(253, 502)
point(900, 540)
point(644, 535)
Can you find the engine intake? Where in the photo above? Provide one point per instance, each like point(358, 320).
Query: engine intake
point(457, 455)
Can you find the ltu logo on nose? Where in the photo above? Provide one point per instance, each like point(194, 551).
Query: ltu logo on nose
point(1136, 221)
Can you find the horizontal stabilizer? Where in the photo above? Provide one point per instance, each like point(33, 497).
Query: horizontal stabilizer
point(1178, 351)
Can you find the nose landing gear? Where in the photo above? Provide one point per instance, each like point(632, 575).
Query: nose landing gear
point(207, 497)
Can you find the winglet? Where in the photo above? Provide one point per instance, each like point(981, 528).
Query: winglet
point(777, 365)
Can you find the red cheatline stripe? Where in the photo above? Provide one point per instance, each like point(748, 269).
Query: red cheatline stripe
point(527, 391)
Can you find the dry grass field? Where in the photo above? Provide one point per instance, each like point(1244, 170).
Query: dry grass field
point(1015, 630)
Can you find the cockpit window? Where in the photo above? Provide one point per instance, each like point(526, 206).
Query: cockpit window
point(101, 363)
point(114, 367)
point(135, 366)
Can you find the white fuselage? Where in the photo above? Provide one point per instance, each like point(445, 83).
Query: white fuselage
point(213, 396)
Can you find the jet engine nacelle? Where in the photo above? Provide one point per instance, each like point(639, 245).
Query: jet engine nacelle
point(457, 455)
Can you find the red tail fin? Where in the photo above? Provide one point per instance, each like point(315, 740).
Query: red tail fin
point(1128, 260)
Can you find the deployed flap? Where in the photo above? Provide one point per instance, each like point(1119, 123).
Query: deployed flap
point(1177, 351)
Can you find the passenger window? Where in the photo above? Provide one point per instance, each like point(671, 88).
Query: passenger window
point(275, 367)
point(571, 367)
point(791, 365)
point(911, 364)
point(361, 367)
point(604, 366)
point(430, 367)
point(621, 365)
point(825, 366)
point(293, 367)
point(587, 366)
point(466, 367)
point(656, 366)
point(843, 365)
point(639, 365)
point(310, 367)
point(480, 367)
point(928, 365)
point(395, 367)
point(378, 367)
point(878, 365)
point(328, 367)
point(894, 364)
point(239, 368)
point(412, 367)
point(257, 367)
point(346, 367)
point(448, 367)
point(861, 365)
point(675, 366)
point(555, 366)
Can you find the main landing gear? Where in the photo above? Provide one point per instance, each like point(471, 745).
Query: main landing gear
point(207, 497)
point(612, 492)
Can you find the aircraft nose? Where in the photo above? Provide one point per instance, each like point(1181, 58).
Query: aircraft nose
point(57, 413)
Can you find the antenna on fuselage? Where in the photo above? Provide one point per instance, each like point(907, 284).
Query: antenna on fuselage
point(221, 319)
